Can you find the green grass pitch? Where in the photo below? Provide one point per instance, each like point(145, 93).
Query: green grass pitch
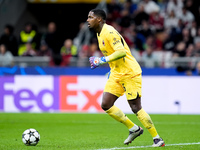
point(66, 131)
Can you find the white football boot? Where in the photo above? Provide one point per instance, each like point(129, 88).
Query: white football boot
point(133, 135)
point(158, 142)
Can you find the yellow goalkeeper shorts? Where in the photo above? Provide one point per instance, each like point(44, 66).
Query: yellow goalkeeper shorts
point(130, 85)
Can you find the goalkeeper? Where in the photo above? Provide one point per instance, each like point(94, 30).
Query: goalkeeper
point(125, 77)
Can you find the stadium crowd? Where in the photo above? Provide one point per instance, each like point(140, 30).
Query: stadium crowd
point(153, 29)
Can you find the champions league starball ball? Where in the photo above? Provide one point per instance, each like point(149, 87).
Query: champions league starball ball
point(30, 137)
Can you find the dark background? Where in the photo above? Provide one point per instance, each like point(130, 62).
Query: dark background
point(67, 16)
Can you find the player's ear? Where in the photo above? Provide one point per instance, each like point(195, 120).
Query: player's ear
point(99, 19)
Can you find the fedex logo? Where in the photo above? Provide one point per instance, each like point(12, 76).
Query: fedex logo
point(49, 93)
point(80, 94)
point(29, 93)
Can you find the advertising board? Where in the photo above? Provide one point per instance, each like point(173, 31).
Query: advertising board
point(160, 94)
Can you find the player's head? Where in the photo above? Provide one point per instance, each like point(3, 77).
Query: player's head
point(100, 13)
point(96, 17)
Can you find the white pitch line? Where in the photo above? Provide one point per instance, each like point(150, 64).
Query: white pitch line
point(132, 147)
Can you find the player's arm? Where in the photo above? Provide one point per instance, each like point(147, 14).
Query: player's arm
point(116, 55)
point(116, 43)
point(97, 61)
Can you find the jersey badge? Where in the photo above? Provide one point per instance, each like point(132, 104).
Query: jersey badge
point(103, 43)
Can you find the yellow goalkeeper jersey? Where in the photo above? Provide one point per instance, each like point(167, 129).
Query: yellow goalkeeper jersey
point(110, 41)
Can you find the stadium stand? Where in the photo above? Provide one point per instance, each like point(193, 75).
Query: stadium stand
point(157, 34)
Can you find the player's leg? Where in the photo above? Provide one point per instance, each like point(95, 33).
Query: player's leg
point(112, 110)
point(133, 87)
point(134, 133)
point(146, 120)
point(142, 116)
point(112, 91)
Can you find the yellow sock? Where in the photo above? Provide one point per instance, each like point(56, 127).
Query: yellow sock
point(145, 119)
point(118, 115)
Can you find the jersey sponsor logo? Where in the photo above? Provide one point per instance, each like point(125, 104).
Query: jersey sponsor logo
point(111, 32)
point(116, 42)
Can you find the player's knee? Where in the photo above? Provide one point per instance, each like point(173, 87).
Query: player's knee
point(105, 106)
point(135, 108)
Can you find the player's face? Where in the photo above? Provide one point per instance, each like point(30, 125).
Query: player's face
point(92, 20)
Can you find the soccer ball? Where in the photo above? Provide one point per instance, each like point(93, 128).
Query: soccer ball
point(30, 137)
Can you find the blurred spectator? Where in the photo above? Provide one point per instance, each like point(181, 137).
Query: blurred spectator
point(169, 42)
point(186, 16)
point(193, 6)
point(9, 40)
point(189, 4)
point(176, 32)
point(197, 47)
point(52, 38)
point(159, 40)
point(150, 6)
point(136, 54)
point(138, 39)
point(150, 42)
point(163, 6)
point(170, 21)
point(175, 6)
point(193, 29)
point(44, 50)
point(125, 19)
point(26, 35)
point(186, 37)
point(149, 58)
point(197, 35)
point(114, 9)
point(180, 50)
point(130, 6)
point(156, 21)
point(6, 57)
point(29, 51)
point(145, 29)
point(126, 33)
point(37, 38)
point(140, 15)
point(69, 49)
point(190, 51)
